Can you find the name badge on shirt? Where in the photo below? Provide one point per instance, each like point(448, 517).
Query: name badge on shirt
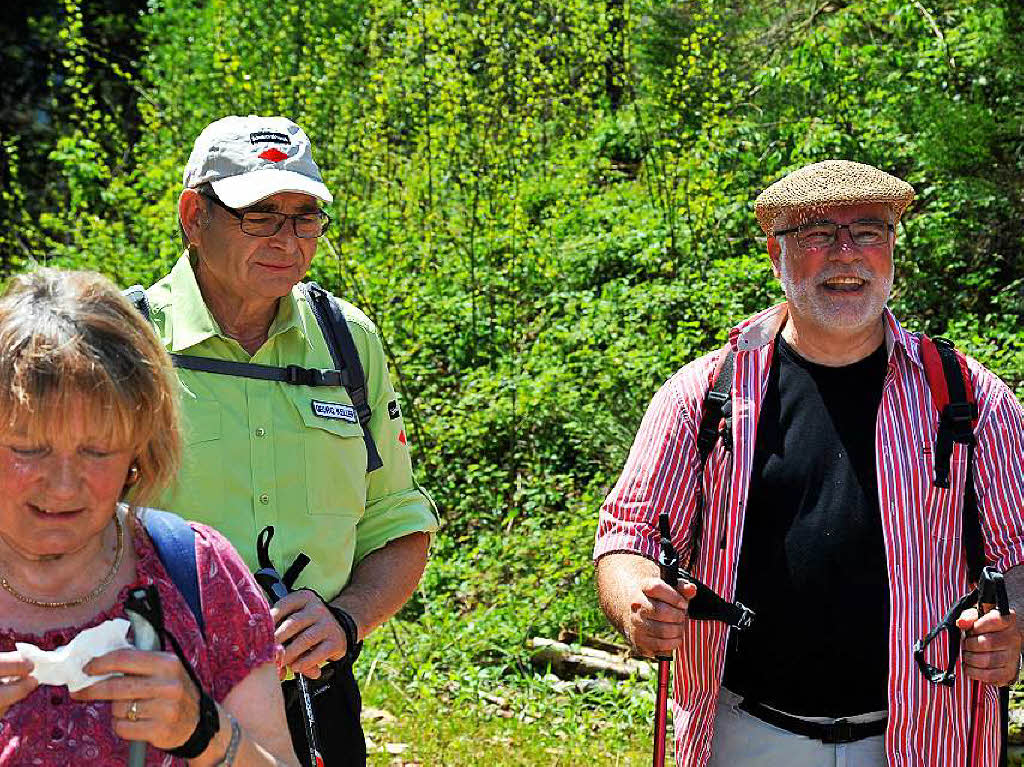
point(335, 411)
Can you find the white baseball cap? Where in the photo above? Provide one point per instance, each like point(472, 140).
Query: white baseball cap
point(249, 158)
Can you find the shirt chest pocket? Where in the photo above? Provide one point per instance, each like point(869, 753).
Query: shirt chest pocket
point(203, 456)
point(335, 457)
point(945, 505)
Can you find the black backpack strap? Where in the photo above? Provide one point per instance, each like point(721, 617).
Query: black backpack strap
point(343, 351)
point(717, 406)
point(953, 396)
point(175, 543)
point(137, 295)
point(715, 423)
point(291, 374)
point(950, 386)
point(974, 542)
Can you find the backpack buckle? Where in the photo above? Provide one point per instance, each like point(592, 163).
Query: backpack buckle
point(297, 376)
point(725, 432)
point(709, 432)
point(719, 398)
point(324, 377)
point(960, 417)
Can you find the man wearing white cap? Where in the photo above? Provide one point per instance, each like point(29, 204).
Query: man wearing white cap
point(810, 498)
point(291, 417)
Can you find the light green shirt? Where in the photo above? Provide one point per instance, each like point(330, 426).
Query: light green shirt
point(257, 453)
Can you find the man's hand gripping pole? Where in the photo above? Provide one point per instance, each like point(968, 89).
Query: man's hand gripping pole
point(705, 605)
point(990, 593)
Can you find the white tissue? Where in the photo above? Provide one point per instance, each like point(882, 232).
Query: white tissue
point(63, 666)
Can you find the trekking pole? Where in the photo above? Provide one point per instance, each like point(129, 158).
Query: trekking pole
point(991, 595)
point(276, 589)
point(146, 638)
point(668, 563)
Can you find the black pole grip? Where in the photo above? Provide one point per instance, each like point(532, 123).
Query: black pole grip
point(668, 560)
point(992, 591)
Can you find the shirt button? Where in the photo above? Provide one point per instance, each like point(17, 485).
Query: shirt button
point(261, 432)
point(264, 499)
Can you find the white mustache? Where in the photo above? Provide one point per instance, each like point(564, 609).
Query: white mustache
point(858, 272)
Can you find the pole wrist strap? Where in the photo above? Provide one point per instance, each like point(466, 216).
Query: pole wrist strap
point(348, 625)
point(207, 725)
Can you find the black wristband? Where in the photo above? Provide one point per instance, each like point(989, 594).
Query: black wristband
point(348, 625)
point(207, 726)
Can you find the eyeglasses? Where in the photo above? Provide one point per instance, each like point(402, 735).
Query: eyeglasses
point(822, 234)
point(260, 223)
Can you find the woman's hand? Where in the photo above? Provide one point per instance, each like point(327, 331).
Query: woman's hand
point(15, 682)
point(155, 701)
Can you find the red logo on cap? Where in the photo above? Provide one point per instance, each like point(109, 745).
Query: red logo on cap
point(274, 155)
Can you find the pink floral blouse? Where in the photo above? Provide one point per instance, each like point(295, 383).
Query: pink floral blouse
point(48, 728)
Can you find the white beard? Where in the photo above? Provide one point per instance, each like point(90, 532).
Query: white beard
point(842, 312)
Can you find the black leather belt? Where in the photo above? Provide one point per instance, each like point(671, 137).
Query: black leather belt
point(839, 731)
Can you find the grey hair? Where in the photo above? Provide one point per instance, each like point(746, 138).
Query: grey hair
point(205, 191)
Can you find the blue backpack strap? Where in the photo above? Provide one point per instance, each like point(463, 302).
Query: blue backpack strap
point(175, 543)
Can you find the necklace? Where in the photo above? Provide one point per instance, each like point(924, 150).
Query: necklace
point(118, 556)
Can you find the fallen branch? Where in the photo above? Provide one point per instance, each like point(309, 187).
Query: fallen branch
point(567, 662)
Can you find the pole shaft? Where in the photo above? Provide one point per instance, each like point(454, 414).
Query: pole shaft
point(661, 712)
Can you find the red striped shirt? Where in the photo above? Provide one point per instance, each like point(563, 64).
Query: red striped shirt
point(920, 523)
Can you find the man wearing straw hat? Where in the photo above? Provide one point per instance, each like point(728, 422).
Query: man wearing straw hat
point(818, 512)
point(288, 423)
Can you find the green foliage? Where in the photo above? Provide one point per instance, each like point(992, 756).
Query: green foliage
point(547, 208)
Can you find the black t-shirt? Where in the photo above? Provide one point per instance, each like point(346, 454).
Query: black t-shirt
point(812, 563)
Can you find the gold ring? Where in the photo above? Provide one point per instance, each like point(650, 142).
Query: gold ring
point(133, 711)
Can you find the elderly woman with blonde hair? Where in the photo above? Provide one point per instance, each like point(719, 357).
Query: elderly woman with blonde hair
point(87, 420)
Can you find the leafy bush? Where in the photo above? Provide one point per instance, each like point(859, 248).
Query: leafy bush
point(547, 208)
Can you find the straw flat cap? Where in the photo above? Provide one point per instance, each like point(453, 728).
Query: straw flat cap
point(829, 184)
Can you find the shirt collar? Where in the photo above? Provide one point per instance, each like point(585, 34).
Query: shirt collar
point(192, 322)
point(761, 329)
point(291, 317)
